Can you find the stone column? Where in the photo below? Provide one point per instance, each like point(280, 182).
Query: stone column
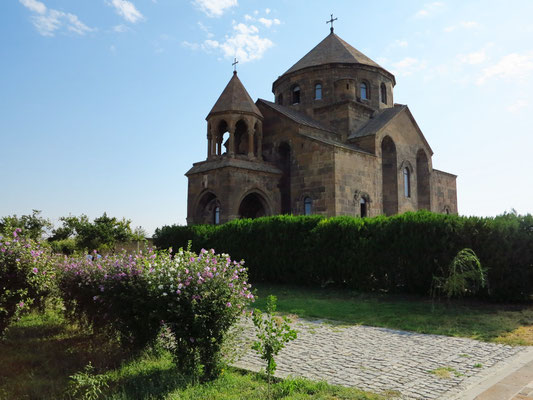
point(250, 143)
point(231, 146)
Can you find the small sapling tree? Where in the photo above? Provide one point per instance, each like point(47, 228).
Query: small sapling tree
point(273, 333)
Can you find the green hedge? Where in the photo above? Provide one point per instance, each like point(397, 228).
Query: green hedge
point(398, 254)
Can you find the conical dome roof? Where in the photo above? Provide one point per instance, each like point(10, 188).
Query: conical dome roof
point(332, 50)
point(235, 98)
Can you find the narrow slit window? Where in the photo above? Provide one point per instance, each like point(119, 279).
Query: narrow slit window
point(280, 99)
point(363, 207)
point(383, 93)
point(407, 182)
point(308, 206)
point(296, 95)
point(364, 91)
point(216, 215)
point(318, 91)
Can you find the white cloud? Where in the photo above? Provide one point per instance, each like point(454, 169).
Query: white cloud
point(463, 24)
point(476, 57)
point(267, 11)
point(127, 10)
point(429, 9)
point(192, 46)
point(512, 66)
point(205, 29)
point(470, 24)
point(121, 28)
point(214, 8)
point(248, 17)
point(400, 43)
point(408, 66)
point(48, 21)
point(269, 22)
point(517, 106)
point(245, 44)
point(34, 5)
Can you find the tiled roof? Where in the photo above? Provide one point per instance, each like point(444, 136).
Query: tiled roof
point(296, 116)
point(235, 98)
point(378, 121)
point(332, 50)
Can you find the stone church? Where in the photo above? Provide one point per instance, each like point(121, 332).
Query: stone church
point(332, 143)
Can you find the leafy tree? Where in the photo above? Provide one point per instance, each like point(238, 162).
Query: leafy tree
point(32, 226)
point(102, 234)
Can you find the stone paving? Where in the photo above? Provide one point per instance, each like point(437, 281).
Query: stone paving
point(406, 364)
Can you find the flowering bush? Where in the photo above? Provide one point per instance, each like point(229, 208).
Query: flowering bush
point(196, 296)
point(26, 276)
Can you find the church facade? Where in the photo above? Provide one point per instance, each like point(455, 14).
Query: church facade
point(332, 143)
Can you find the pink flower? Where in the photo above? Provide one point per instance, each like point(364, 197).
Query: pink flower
point(228, 304)
point(191, 339)
point(35, 270)
point(21, 304)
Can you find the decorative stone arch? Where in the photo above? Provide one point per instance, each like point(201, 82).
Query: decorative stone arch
point(205, 207)
point(254, 203)
point(361, 203)
point(423, 180)
point(285, 154)
point(389, 181)
point(446, 210)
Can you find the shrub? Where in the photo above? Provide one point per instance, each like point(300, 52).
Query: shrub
point(465, 276)
point(26, 276)
point(401, 253)
point(197, 297)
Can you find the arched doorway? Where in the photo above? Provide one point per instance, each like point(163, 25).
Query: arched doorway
point(422, 180)
point(208, 210)
point(253, 206)
point(389, 176)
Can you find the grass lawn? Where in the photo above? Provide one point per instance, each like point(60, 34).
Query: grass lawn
point(509, 324)
point(41, 352)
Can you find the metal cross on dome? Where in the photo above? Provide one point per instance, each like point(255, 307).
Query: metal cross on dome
point(235, 62)
point(331, 22)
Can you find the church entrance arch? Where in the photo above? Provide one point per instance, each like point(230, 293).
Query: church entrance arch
point(208, 209)
point(389, 176)
point(253, 205)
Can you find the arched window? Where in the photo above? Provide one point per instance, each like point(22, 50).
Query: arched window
point(216, 215)
point(308, 206)
point(280, 99)
point(363, 207)
point(407, 182)
point(364, 91)
point(383, 93)
point(296, 95)
point(318, 91)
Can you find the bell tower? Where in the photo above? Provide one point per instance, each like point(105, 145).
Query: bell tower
point(235, 114)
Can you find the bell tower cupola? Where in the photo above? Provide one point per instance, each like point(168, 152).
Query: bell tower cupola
point(234, 124)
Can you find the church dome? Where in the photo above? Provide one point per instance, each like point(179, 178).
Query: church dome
point(332, 72)
point(332, 50)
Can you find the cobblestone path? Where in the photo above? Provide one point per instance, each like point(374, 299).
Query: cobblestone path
point(411, 365)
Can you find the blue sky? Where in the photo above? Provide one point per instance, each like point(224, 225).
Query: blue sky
point(103, 102)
